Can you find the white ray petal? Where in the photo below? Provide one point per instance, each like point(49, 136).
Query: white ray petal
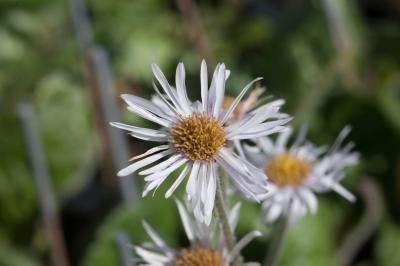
point(161, 166)
point(242, 243)
point(177, 182)
point(211, 191)
point(166, 171)
point(181, 89)
point(186, 221)
point(146, 161)
point(167, 88)
point(133, 100)
point(157, 239)
point(234, 215)
point(232, 107)
point(141, 131)
point(338, 188)
point(191, 185)
point(204, 85)
point(153, 258)
point(220, 91)
point(149, 116)
point(150, 151)
point(212, 92)
point(272, 210)
point(309, 199)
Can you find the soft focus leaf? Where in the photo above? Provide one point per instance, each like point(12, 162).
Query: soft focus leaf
point(388, 243)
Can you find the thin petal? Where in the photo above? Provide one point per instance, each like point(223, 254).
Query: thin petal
point(204, 85)
point(177, 182)
point(146, 161)
point(186, 222)
point(237, 101)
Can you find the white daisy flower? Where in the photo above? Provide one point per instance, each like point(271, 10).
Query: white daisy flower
point(207, 247)
point(297, 171)
point(196, 136)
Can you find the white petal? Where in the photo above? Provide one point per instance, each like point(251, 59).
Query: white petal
point(185, 218)
point(167, 88)
point(161, 166)
point(297, 210)
point(181, 89)
point(242, 243)
point(212, 91)
point(282, 140)
point(146, 161)
point(145, 132)
point(156, 239)
point(191, 185)
point(232, 107)
point(204, 85)
point(166, 171)
point(177, 182)
point(150, 151)
point(310, 199)
point(220, 91)
point(152, 257)
point(211, 191)
point(149, 116)
point(272, 211)
point(133, 100)
point(338, 188)
point(234, 215)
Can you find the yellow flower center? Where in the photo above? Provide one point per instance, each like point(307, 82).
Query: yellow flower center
point(198, 257)
point(199, 137)
point(287, 170)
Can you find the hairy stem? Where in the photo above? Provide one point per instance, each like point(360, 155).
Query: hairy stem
point(223, 217)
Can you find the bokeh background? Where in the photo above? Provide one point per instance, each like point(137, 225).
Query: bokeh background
point(64, 63)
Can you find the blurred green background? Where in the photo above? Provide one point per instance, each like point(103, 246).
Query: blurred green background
point(336, 62)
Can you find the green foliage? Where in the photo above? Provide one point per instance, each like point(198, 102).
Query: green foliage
point(335, 62)
point(311, 242)
point(387, 246)
point(67, 137)
point(11, 256)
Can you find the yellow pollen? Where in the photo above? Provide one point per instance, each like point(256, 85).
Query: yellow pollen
point(287, 170)
point(199, 137)
point(198, 257)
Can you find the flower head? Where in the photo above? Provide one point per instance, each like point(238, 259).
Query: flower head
point(197, 136)
point(296, 172)
point(203, 249)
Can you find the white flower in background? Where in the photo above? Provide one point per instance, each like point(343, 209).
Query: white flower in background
point(296, 172)
point(207, 246)
point(197, 137)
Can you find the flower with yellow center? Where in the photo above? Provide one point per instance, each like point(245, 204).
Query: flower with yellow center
point(286, 169)
point(195, 137)
point(198, 137)
point(207, 245)
point(297, 172)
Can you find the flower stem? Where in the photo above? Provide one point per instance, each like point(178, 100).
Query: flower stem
point(223, 217)
point(275, 247)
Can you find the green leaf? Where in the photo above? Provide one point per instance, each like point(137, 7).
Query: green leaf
point(387, 248)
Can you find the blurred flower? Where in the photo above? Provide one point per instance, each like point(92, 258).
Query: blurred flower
point(295, 173)
point(207, 245)
point(198, 138)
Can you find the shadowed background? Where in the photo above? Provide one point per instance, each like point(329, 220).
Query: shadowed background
point(63, 65)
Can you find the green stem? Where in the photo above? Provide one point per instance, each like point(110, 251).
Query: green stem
point(223, 217)
point(275, 247)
